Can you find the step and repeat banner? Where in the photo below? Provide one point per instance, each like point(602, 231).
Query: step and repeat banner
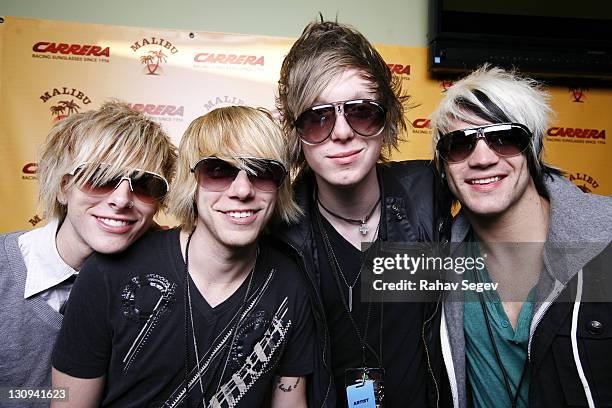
point(51, 69)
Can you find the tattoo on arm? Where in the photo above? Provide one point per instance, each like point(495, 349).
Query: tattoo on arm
point(284, 387)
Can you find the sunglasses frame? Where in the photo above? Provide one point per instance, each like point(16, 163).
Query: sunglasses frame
point(480, 132)
point(248, 171)
point(339, 108)
point(74, 172)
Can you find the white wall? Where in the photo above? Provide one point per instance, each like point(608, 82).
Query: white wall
point(401, 22)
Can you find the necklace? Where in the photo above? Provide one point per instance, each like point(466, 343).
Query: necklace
point(188, 307)
point(363, 228)
point(348, 305)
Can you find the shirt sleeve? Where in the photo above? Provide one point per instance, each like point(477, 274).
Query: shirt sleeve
point(300, 352)
point(83, 346)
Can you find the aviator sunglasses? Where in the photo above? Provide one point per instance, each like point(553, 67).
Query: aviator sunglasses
point(147, 186)
point(505, 139)
point(366, 117)
point(215, 174)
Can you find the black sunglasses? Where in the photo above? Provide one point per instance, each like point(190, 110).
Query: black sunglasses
point(215, 174)
point(505, 139)
point(147, 186)
point(366, 117)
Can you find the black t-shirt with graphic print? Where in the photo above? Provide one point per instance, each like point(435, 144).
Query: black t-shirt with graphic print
point(127, 318)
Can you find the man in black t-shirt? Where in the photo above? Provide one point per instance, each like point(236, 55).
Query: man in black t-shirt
point(208, 314)
point(343, 112)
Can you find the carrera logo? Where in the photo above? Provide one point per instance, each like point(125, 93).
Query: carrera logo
point(30, 168)
point(231, 59)
point(421, 123)
point(74, 49)
point(67, 105)
point(399, 69)
point(152, 59)
point(158, 110)
point(584, 182)
point(578, 94)
point(577, 133)
point(161, 112)
point(29, 171)
point(220, 101)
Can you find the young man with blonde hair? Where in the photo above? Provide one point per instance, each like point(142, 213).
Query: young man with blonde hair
point(102, 177)
point(209, 314)
point(343, 111)
point(541, 336)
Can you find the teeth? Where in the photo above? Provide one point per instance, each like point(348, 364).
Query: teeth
point(486, 180)
point(239, 214)
point(113, 223)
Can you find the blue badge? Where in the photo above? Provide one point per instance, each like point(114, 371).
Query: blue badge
point(361, 395)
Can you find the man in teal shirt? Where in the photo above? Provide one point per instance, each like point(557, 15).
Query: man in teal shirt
point(539, 337)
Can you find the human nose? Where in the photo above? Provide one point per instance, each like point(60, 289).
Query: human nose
point(121, 197)
point(482, 156)
point(342, 131)
point(241, 187)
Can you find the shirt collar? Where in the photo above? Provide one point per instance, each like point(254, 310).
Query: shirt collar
point(45, 267)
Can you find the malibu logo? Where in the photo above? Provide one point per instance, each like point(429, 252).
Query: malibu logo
point(399, 69)
point(161, 112)
point(220, 101)
point(71, 102)
point(152, 59)
point(71, 52)
point(584, 182)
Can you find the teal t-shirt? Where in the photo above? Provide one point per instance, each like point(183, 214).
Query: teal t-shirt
point(484, 376)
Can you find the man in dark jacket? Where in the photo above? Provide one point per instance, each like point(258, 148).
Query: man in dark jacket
point(541, 337)
point(342, 111)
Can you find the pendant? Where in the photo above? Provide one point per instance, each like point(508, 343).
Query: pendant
point(350, 299)
point(363, 228)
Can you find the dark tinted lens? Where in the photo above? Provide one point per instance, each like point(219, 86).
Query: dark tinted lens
point(91, 187)
point(315, 124)
point(456, 146)
point(508, 142)
point(215, 174)
point(268, 176)
point(365, 118)
point(148, 187)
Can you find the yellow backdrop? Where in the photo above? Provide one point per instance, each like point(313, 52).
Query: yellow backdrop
point(50, 69)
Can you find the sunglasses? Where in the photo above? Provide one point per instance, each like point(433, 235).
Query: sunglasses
point(366, 117)
point(505, 139)
point(147, 186)
point(215, 174)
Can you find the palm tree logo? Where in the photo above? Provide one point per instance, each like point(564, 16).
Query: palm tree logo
point(59, 109)
point(152, 61)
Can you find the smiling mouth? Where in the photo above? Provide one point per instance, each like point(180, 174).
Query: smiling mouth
point(114, 223)
point(240, 214)
point(487, 180)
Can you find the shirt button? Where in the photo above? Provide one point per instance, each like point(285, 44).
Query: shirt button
point(505, 324)
point(399, 216)
point(394, 207)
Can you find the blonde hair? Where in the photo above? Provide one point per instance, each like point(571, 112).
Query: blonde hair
point(493, 95)
point(227, 133)
point(113, 134)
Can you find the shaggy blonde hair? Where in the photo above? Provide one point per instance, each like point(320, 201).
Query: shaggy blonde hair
point(493, 95)
point(113, 134)
point(228, 133)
